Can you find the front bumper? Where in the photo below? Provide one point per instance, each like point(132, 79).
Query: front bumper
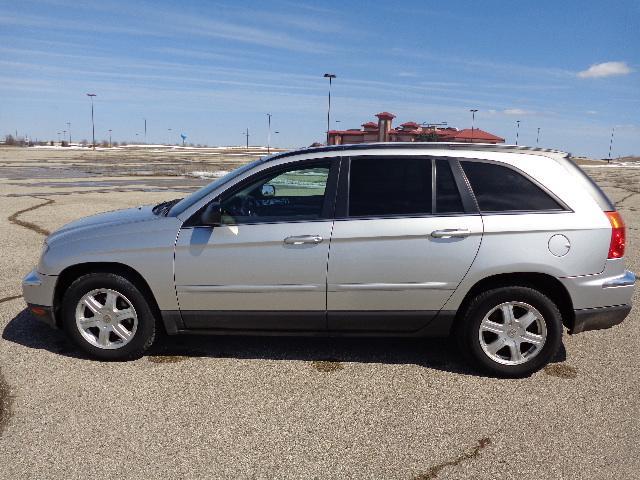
point(44, 314)
point(38, 290)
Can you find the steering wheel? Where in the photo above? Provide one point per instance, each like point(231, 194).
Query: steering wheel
point(248, 207)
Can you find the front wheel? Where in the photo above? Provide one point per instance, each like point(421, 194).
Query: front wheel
point(108, 317)
point(511, 331)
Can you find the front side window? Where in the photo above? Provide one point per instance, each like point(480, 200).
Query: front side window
point(198, 195)
point(389, 186)
point(296, 194)
point(502, 189)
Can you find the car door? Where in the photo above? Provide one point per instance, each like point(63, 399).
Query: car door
point(406, 233)
point(264, 267)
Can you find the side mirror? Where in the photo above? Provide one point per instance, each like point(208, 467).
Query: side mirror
point(212, 215)
point(268, 190)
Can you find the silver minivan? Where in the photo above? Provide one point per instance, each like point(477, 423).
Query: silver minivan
point(499, 246)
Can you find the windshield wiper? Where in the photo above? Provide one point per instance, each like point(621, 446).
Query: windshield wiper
point(164, 207)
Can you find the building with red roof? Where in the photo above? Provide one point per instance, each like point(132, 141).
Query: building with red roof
point(474, 136)
point(382, 131)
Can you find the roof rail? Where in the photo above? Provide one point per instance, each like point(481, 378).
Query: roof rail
point(485, 147)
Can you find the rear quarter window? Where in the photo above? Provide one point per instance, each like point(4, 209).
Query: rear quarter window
point(502, 189)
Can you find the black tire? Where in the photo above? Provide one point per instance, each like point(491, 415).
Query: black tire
point(468, 330)
point(146, 328)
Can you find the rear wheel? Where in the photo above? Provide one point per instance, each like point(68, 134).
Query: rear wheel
point(511, 331)
point(108, 317)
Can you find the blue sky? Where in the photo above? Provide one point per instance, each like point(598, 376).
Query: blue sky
point(211, 69)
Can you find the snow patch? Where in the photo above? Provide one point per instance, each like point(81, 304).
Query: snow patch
point(207, 174)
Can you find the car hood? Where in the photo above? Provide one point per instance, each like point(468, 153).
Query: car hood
point(107, 219)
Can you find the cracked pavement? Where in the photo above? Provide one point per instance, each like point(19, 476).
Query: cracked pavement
point(265, 408)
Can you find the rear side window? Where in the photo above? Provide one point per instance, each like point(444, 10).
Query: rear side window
point(502, 189)
point(447, 195)
point(389, 186)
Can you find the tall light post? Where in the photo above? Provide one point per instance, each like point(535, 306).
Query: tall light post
point(58, 137)
point(538, 136)
point(145, 130)
point(93, 126)
point(169, 130)
point(246, 134)
point(268, 134)
point(611, 144)
point(330, 76)
point(473, 121)
point(64, 135)
point(517, 130)
point(69, 125)
point(109, 138)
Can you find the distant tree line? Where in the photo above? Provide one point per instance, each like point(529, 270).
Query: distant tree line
point(11, 140)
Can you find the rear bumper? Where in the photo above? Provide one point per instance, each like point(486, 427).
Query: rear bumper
point(614, 286)
point(599, 318)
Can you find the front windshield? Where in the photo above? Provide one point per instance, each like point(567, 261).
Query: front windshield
point(198, 195)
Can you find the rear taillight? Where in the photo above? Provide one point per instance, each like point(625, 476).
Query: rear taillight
point(616, 247)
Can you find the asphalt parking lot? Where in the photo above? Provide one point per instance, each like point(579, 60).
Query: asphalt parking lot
point(267, 408)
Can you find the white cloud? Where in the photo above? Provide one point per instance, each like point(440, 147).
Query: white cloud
point(606, 69)
point(516, 111)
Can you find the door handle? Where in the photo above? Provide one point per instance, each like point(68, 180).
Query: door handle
point(451, 233)
point(302, 239)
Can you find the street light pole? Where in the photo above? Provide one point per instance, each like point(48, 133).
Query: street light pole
point(109, 138)
point(145, 130)
point(268, 134)
point(330, 76)
point(473, 121)
point(246, 134)
point(93, 126)
point(517, 130)
point(69, 125)
point(611, 144)
point(538, 137)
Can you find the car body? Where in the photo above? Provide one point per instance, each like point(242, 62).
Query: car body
point(370, 239)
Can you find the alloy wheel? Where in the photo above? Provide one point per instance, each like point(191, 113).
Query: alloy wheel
point(512, 333)
point(106, 318)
